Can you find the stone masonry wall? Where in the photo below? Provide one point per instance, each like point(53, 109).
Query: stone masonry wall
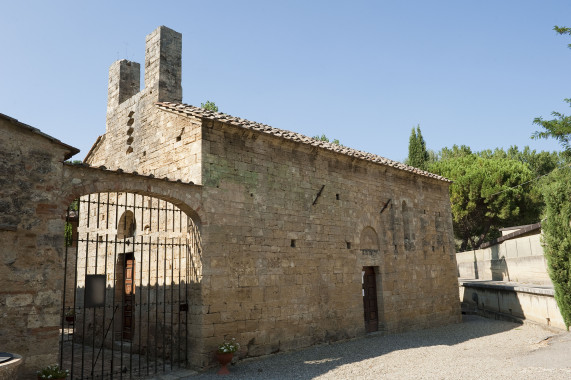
point(281, 272)
point(139, 136)
point(282, 255)
point(31, 246)
point(35, 190)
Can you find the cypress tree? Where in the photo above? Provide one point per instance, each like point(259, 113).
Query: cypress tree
point(556, 239)
point(417, 153)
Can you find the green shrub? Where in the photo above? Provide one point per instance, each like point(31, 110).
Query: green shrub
point(52, 372)
point(556, 228)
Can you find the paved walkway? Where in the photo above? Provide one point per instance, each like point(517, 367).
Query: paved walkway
point(475, 349)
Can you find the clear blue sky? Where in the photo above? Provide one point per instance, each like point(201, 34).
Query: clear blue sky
point(364, 72)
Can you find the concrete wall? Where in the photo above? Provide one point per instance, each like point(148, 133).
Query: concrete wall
point(532, 304)
point(518, 260)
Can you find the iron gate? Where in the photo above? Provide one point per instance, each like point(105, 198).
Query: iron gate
point(126, 287)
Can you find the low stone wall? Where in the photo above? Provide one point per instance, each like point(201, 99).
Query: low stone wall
point(535, 304)
point(518, 260)
point(10, 369)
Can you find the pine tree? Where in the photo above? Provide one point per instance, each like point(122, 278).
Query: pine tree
point(209, 106)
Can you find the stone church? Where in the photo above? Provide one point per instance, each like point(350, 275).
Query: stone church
point(294, 241)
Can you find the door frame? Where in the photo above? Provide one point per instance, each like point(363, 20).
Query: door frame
point(370, 302)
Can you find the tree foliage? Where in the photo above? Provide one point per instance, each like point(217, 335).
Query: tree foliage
point(530, 204)
point(326, 139)
point(417, 154)
point(559, 127)
point(209, 106)
point(556, 229)
point(484, 195)
point(454, 152)
point(556, 225)
point(74, 206)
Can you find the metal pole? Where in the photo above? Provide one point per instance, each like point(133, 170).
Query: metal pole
point(75, 287)
point(63, 298)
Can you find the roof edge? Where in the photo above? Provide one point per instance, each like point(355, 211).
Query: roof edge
point(94, 147)
point(72, 151)
point(189, 110)
point(525, 230)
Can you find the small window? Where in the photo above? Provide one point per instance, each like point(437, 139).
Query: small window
point(127, 225)
point(292, 243)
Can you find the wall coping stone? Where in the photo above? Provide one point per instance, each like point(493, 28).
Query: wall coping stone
point(544, 290)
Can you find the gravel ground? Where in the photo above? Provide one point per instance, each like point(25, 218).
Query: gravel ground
point(475, 349)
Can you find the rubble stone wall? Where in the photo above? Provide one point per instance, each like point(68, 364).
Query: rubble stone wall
point(31, 245)
point(35, 191)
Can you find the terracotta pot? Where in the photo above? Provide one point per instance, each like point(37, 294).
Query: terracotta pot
point(224, 359)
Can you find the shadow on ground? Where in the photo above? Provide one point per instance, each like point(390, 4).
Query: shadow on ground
point(315, 361)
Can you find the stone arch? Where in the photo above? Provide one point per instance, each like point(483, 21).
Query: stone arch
point(181, 255)
point(82, 180)
point(369, 239)
point(143, 275)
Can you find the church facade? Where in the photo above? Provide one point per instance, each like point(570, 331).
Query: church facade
point(295, 241)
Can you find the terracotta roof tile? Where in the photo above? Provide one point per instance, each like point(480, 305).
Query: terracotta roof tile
point(185, 109)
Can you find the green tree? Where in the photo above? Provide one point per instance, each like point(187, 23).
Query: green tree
point(556, 226)
point(454, 152)
point(556, 237)
point(484, 195)
point(417, 154)
point(559, 127)
point(209, 106)
point(326, 139)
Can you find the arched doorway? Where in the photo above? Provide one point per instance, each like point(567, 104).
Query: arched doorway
point(128, 286)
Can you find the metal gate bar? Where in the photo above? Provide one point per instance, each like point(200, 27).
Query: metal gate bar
point(125, 335)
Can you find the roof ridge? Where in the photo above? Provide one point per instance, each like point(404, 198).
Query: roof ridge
point(182, 108)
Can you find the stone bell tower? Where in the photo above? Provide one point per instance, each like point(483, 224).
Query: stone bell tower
point(163, 73)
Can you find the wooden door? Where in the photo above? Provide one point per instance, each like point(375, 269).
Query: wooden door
point(370, 299)
point(129, 298)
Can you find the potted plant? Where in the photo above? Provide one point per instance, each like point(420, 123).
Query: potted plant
point(70, 316)
point(53, 372)
point(225, 353)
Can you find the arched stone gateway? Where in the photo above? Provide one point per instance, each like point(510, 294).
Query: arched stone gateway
point(130, 276)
